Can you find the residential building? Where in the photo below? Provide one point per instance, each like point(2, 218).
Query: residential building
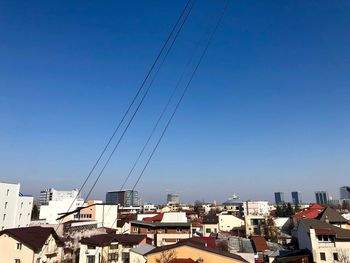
point(104, 214)
point(322, 197)
point(345, 192)
point(173, 199)
point(163, 229)
point(296, 197)
point(228, 222)
point(256, 208)
point(210, 225)
point(279, 198)
point(191, 251)
point(15, 208)
point(55, 208)
point(326, 242)
point(30, 245)
point(123, 198)
point(149, 208)
point(137, 255)
point(332, 217)
point(255, 225)
point(109, 247)
point(52, 194)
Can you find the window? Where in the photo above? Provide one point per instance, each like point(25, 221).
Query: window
point(90, 259)
point(178, 229)
point(19, 246)
point(112, 257)
point(91, 247)
point(4, 217)
point(125, 256)
point(17, 261)
point(335, 256)
point(323, 256)
point(207, 231)
point(6, 204)
point(135, 229)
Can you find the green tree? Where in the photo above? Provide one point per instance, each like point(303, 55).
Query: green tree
point(35, 212)
point(289, 210)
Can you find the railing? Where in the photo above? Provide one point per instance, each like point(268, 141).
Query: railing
point(326, 244)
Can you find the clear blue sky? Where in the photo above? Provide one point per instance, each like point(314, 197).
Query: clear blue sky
point(268, 111)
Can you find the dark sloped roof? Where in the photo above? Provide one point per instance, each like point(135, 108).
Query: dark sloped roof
point(340, 233)
point(210, 219)
point(259, 243)
point(33, 237)
point(197, 246)
point(332, 216)
point(107, 239)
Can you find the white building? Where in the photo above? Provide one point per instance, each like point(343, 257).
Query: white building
point(256, 208)
point(228, 221)
point(54, 195)
point(15, 208)
point(52, 211)
point(327, 243)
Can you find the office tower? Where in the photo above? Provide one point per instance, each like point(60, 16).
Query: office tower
point(322, 197)
point(173, 199)
point(279, 198)
point(345, 192)
point(123, 198)
point(296, 197)
point(54, 195)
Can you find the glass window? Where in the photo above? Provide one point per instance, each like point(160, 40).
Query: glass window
point(323, 256)
point(335, 256)
point(112, 257)
point(19, 246)
point(90, 259)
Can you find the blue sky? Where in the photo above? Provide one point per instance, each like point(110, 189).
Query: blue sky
point(268, 110)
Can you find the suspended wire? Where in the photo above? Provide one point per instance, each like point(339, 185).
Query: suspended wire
point(132, 102)
point(184, 92)
point(138, 106)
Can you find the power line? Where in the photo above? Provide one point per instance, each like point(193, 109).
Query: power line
point(184, 92)
point(139, 105)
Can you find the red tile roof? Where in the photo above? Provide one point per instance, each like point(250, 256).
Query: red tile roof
point(259, 243)
point(312, 212)
point(158, 217)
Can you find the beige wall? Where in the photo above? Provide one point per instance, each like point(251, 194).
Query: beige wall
point(9, 252)
point(194, 254)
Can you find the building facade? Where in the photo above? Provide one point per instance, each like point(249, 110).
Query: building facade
point(15, 208)
point(173, 199)
point(52, 194)
point(345, 192)
point(322, 197)
point(279, 198)
point(123, 198)
point(296, 197)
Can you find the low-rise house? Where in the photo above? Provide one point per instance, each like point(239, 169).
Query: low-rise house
point(255, 225)
point(227, 222)
point(163, 229)
point(137, 255)
point(331, 216)
point(210, 225)
point(30, 245)
point(114, 248)
point(123, 226)
point(327, 243)
point(190, 251)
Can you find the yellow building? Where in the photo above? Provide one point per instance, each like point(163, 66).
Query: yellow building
point(30, 245)
point(190, 250)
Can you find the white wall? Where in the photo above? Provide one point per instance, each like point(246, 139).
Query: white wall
point(227, 222)
point(51, 212)
point(11, 207)
point(107, 215)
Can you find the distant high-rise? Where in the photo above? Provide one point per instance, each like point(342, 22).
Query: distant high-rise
point(173, 199)
point(279, 198)
point(296, 197)
point(123, 198)
point(322, 197)
point(345, 192)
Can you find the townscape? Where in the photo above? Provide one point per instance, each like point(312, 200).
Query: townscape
point(60, 227)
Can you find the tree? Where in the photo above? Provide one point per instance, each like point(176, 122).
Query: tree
point(289, 210)
point(166, 256)
point(343, 256)
point(35, 212)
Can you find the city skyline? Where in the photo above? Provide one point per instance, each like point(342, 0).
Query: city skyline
point(269, 103)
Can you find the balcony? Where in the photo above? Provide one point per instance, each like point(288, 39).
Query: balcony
point(326, 244)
